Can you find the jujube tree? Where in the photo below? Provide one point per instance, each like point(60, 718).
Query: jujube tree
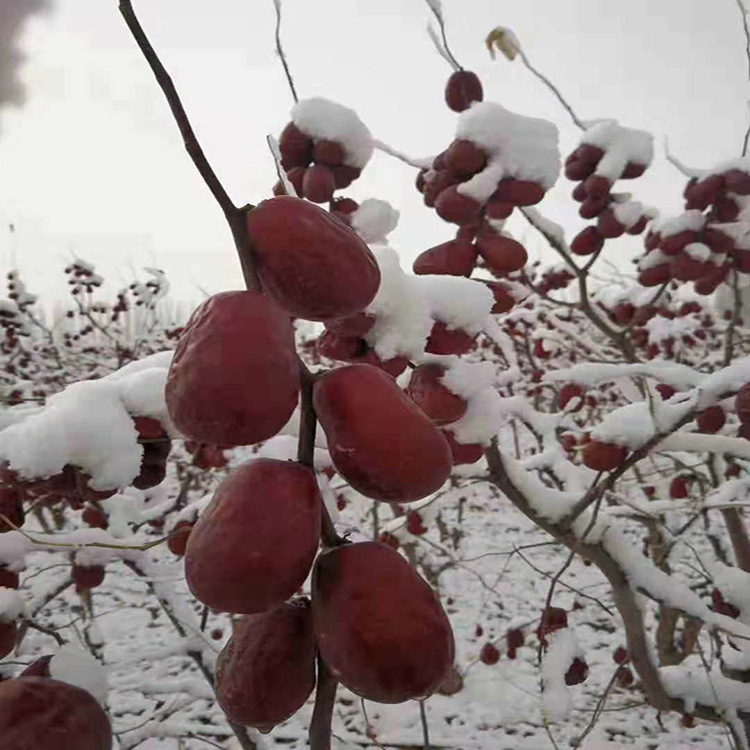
point(596, 410)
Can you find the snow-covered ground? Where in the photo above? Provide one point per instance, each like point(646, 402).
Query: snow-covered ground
point(488, 564)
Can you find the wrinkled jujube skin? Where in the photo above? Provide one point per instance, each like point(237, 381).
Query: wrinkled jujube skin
point(341, 348)
point(37, 713)
point(465, 158)
point(587, 242)
point(296, 147)
point(502, 254)
point(426, 389)
point(463, 88)
point(253, 546)
point(489, 654)
point(378, 624)
point(453, 258)
point(234, 377)
point(577, 672)
point(266, 671)
point(380, 441)
point(95, 517)
point(312, 264)
point(318, 184)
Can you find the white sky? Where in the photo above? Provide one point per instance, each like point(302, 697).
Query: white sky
point(93, 164)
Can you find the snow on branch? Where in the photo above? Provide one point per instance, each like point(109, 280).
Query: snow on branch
point(90, 425)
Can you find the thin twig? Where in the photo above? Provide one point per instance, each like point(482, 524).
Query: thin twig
point(551, 86)
point(325, 697)
point(736, 307)
point(280, 50)
point(435, 8)
point(204, 619)
point(423, 163)
point(425, 726)
point(618, 338)
point(746, 29)
point(83, 545)
point(597, 490)
point(625, 599)
point(599, 705)
point(178, 111)
point(579, 592)
point(306, 450)
point(47, 631)
point(62, 586)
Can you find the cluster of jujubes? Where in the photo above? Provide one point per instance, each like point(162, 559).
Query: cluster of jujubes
point(316, 167)
point(444, 188)
point(235, 379)
point(593, 192)
point(700, 245)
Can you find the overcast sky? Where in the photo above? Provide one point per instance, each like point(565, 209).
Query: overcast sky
point(93, 166)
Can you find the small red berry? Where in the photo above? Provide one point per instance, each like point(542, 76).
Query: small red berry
point(489, 654)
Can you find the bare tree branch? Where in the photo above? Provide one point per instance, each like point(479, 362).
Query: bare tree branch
point(234, 216)
point(746, 29)
point(437, 12)
point(325, 697)
point(736, 306)
point(280, 50)
point(624, 597)
point(735, 524)
point(551, 86)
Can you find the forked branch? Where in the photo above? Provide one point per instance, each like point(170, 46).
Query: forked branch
point(624, 597)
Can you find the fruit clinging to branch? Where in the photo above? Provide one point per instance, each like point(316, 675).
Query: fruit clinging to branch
point(266, 671)
point(378, 625)
point(437, 401)
point(314, 266)
point(462, 90)
point(234, 378)
point(380, 441)
point(37, 713)
point(323, 148)
point(253, 546)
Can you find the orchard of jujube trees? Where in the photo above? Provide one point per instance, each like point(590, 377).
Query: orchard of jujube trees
point(612, 413)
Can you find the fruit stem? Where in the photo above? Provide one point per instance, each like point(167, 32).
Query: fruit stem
point(425, 726)
point(325, 697)
point(281, 54)
point(308, 423)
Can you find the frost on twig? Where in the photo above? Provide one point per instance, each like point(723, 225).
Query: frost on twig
point(273, 144)
point(435, 39)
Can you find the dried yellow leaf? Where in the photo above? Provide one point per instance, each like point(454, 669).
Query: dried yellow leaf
point(503, 39)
